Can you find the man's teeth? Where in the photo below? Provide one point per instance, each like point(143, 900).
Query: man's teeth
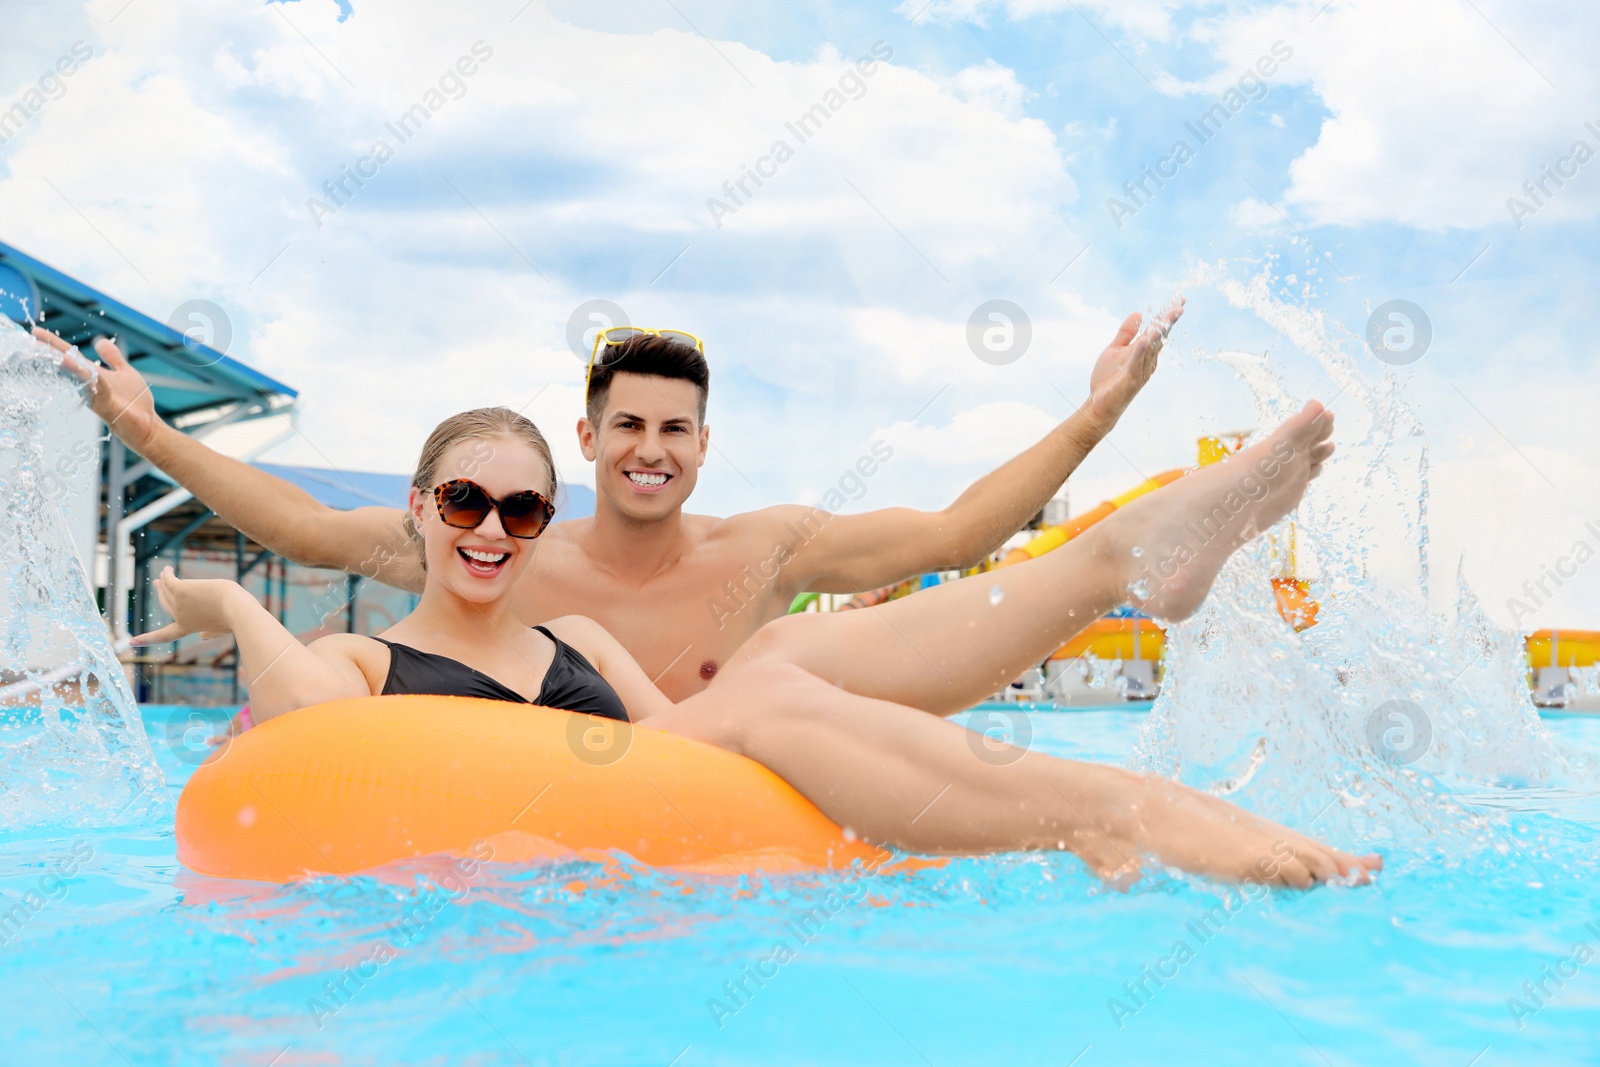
point(647, 480)
point(484, 557)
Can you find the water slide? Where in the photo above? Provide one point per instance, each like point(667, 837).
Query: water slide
point(1553, 655)
point(1053, 537)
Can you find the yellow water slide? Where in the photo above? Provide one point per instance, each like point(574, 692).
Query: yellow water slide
point(1053, 537)
point(1563, 648)
point(1552, 657)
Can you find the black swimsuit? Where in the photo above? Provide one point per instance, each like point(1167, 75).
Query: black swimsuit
point(571, 683)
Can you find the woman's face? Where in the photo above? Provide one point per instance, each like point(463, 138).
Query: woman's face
point(482, 564)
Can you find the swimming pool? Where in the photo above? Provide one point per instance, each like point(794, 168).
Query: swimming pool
point(1011, 959)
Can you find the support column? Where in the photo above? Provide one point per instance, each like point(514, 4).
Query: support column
point(116, 505)
point(139, 586)
point(283, 590)
point(238, 576)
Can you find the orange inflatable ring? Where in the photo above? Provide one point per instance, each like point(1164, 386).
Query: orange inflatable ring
point(353, 784)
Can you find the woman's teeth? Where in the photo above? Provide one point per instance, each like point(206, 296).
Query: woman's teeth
point(648, 481)
point(484, 557)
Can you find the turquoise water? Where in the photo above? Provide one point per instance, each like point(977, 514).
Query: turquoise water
point(1007, 959)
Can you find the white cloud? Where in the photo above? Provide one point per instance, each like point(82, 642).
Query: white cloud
point(994, 86)
point(1438, 113)
point(194, 139)
point(1253, 214)
point(925, 350)
point(951, 454)
point(987, 435)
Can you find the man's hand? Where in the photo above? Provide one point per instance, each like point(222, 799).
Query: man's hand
point(1127, 364)
point(122, 397)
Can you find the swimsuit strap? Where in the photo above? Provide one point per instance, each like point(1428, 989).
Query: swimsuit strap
point(573, 683)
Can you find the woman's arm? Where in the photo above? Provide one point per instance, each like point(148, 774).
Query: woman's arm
point(281, 673)
point(615, 664)
point(369, 541)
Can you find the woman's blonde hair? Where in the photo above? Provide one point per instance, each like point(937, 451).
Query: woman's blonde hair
point(479, 424)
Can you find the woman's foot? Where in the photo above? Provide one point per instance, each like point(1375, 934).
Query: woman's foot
point(1172, 543)
point(1135, 816)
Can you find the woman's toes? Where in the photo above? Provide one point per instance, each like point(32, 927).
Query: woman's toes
point(1354, 870)
point(1295, 875)
point(1318, 863)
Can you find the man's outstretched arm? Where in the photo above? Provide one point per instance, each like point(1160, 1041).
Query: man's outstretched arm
point(852, 553)
point(270, 511)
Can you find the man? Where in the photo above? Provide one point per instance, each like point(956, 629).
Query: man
point(681, 592)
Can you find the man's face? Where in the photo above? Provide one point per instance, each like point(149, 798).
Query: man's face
point(649, 446)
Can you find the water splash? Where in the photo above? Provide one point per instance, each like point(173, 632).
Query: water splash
point(73, 751)
point(1303, 726)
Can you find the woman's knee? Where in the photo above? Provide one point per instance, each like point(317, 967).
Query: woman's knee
point(779, 640)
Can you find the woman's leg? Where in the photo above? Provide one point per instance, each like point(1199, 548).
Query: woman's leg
point(946, 648)
point(898, 776)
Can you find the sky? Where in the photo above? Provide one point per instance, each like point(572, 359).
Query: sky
point(526, 166)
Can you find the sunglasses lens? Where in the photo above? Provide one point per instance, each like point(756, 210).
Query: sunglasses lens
point(616, 335)
point(525, 514)
point(463, 505)
point(687, 340)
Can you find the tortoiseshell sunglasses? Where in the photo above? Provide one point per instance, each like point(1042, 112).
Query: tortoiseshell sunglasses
point(464, 504)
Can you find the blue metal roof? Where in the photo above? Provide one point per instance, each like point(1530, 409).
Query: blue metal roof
point(346, 490)
point(185, 376)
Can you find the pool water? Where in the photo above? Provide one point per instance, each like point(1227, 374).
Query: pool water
point(1012, 959)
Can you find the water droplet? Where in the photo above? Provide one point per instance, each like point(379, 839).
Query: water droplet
point(1137, 551)
point(849, 833)
point(1140, 589)
point(996, 594)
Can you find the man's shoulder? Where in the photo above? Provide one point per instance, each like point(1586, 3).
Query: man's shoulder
point(565, 533)
point(565, 529)
point(775, 521)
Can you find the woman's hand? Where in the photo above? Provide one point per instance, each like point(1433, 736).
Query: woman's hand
point(121, 397)
point(197, 605)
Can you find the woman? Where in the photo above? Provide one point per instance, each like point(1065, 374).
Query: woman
point(810, 696)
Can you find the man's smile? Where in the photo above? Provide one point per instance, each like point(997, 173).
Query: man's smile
point(648, 480)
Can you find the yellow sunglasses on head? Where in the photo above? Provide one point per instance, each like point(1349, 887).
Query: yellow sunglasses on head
point(613, 336)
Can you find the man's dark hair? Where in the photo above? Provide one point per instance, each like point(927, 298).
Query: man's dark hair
point(651, 355)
